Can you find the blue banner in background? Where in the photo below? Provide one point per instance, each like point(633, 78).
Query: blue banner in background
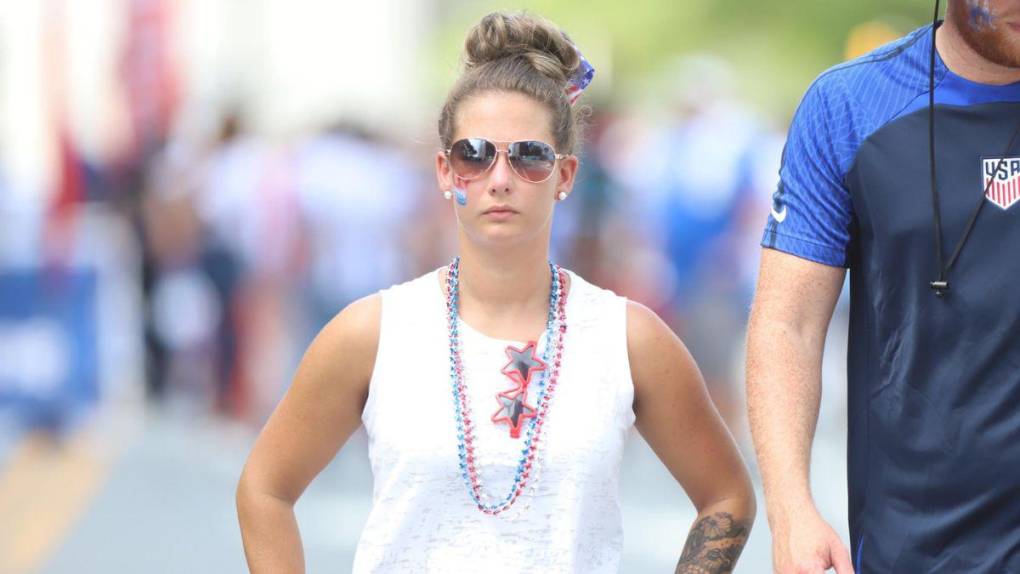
point(48, 343)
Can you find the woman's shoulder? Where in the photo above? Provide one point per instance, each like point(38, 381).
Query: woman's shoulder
point(361, 315)
point(645, 329)
point(355, 327)
point(342, 355)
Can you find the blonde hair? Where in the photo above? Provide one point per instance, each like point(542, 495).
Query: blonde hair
point(518, 52)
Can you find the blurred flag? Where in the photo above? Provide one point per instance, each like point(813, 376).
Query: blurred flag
point(150, 74)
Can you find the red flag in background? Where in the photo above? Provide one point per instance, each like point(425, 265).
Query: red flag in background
point(69, 184)
point(150, 76)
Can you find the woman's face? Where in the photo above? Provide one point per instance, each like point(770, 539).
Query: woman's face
point(499, 207)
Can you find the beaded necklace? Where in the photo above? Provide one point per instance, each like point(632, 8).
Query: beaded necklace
point(514, 409)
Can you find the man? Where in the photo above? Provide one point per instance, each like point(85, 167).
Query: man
point(934, 352)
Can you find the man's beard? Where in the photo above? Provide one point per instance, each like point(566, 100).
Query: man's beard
point(993, 41)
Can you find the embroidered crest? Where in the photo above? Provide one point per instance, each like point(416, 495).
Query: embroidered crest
point(1001, 179)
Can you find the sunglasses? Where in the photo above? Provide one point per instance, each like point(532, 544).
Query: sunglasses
point(533, 161)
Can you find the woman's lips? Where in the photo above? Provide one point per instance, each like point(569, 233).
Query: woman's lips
point(499, 213)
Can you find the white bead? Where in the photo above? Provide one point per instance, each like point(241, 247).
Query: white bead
point(448, 194)
point(563, 195)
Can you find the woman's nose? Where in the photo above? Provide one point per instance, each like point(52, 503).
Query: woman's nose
point(499, 177)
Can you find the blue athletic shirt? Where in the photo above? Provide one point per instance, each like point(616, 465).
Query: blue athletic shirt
point(934, 383)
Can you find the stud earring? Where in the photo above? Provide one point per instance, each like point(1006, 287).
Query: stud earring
point(448, 194)
point(563, 195)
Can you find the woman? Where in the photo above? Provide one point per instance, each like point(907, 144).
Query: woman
point(498, 391)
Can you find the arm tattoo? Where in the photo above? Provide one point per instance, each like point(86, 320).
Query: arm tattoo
point(713, 545)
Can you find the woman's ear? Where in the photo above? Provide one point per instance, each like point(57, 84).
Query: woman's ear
point(566, 173)
point(444, 175)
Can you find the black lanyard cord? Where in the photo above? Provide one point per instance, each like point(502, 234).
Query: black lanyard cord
point(941, 285)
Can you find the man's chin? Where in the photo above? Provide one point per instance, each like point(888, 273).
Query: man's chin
point(998, 44)
point(1001, 47)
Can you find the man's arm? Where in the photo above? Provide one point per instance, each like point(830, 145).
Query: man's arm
point(786, 335)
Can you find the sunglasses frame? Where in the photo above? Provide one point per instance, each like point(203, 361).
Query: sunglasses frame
point(505, 150)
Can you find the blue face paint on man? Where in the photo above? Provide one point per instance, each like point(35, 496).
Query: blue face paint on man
point(980, 14)
point(990, 30)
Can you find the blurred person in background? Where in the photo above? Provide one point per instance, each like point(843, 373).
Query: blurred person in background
point(357, 194)
point(689, 178)
point(249, 203)
point(192, 276)
point(890, 162)
point(534, 487)
point(704, 186)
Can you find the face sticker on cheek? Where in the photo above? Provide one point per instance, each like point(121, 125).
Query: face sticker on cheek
point(461, 196)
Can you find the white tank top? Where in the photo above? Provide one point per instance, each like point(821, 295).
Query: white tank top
point(423, 518)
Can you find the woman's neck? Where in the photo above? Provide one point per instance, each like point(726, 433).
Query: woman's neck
point(505, 292)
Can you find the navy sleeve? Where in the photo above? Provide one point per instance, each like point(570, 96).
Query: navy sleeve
point(811, 209)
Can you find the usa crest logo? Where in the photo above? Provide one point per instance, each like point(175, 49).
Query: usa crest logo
point(1002, 180)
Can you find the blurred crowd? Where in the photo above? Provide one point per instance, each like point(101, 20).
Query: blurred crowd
point(246, 245)
point(185, 271)
point(188, 268)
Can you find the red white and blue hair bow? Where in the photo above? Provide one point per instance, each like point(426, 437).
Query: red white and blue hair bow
point(581, 78)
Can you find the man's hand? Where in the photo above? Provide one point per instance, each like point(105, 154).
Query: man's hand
point(804, 543)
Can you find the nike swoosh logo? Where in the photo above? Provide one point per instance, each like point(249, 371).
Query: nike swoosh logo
point(779, 215)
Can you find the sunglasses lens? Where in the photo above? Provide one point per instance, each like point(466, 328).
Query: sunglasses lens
point(471, 157)
point(532, 160)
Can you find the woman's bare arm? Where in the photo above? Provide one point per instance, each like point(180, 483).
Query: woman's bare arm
point(677, 418)
point(318, 414)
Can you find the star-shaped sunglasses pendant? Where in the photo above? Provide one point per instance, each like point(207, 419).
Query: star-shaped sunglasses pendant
point(523, 364)
point(514, 411)
point(513, 408)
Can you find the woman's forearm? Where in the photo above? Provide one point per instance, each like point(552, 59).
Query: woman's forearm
point(717, 538)
point(269, 530)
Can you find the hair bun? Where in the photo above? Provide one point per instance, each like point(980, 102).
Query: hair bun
point(502, 35)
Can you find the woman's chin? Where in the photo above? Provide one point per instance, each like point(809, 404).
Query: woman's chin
point(499, 234)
